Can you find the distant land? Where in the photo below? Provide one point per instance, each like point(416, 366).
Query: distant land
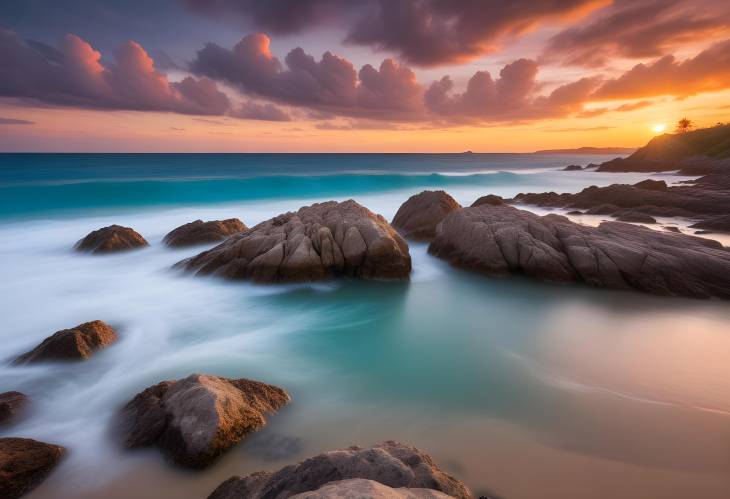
point(589, 150)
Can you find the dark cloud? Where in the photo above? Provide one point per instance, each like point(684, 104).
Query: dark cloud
point(13, 121)
point(706, 72)
point(265, 112)
point(422, 32)
point(74, 74)
point(639, 29)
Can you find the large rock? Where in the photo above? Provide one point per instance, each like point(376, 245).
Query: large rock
point(196, 419)
point(318, 242)
point(633, 216)
point(502, 240)
point(24, 464)
point(418, 217)
point(719, 223)
point(489, 199)
point(199, 232)
point(393, 464)
point(111, 239)
point(77, 343)
point(12, 405)
point(370, 489)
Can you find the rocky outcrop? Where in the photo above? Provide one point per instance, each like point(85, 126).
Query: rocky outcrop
point(12, 405)
point(196, 419)
point(502, 240)
point(633, 216)
point(572, 168)
point(393, 464)
point(418, 217)
point(318, 242)
point(370, 489)
point(111, 239)
point(24, 464)
point(78, 343)
point(489, 199)
point(199, 232)
point(720, 223)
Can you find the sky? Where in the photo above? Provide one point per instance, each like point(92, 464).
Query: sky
point(366, 76)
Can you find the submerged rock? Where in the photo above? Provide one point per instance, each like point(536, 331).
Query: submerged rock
point(196, 419)
point(370, 489)
point(489, 199)
point(77, 343)
point(718, 223)
point(418, 217)
point(502, 240)
point(111, 239)
point(199, 232)
point(317, 242)
point(24, 464)
point(12, 405)
point(393, 464)
point(572, 168)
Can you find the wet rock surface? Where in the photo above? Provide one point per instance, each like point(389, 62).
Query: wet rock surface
point(196, 419)
point(78, 343)
point(110, 240)
point(12, 406)
point(199, 232)
point(315, 243)
point(370, 489)
point(502, 240)
point(392, 464)
point(24, 464)
point(418, 217)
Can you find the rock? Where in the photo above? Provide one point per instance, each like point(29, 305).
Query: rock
point(574, 212)
point(370, 489)
point(24, 464)
point(602, 209)
point(393, 464)
point(718, 223)
point(502, 240)
point(77, 343)
point(199, 232)
point(628, 215)
point(196, 419)
point(418, 217)
point(318, 242)
point(652, 185)
point(671, 228)
point(572, 168)
point(111, 239)
point(12, 405)
point(489, 199)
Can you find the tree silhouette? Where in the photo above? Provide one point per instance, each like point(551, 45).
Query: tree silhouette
point(684, 125)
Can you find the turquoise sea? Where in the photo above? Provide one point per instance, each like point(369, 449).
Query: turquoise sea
point(520, 389)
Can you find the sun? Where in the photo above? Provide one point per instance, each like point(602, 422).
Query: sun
point(659, 127)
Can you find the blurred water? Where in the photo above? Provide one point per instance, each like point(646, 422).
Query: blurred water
point(521, 389)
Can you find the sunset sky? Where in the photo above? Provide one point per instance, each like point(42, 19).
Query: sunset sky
point(369, 76)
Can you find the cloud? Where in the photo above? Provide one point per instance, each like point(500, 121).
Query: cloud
point(639, 29)
point(73, 75)
point(265, 112)
point(580, 129)
point(706, 72)
point(13, 121)
point(330, 85)
point(633, 106)
point(421, 32)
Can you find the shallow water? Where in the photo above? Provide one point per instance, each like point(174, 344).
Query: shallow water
point(520, 389)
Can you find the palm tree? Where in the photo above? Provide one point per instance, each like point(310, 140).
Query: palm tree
point(684, 125)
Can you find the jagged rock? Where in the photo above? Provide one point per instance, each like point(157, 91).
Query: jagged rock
point(24, 464)
point(671, 228)
point(111, 239)
point(12, 405)
point(652, 185)
point(318, 242)
point(77, 343)
point(572, 168)
point(199, 232)
point(196, 419)
point(418, 217)
point(628, 215)
point(602, 209)
point(390, 463)
point(502, 240)
point(369, 489)
point(489, 199)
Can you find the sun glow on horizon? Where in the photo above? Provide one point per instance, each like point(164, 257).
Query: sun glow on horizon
point(659, 128)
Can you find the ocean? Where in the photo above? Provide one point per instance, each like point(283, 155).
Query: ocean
point(518, 388)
